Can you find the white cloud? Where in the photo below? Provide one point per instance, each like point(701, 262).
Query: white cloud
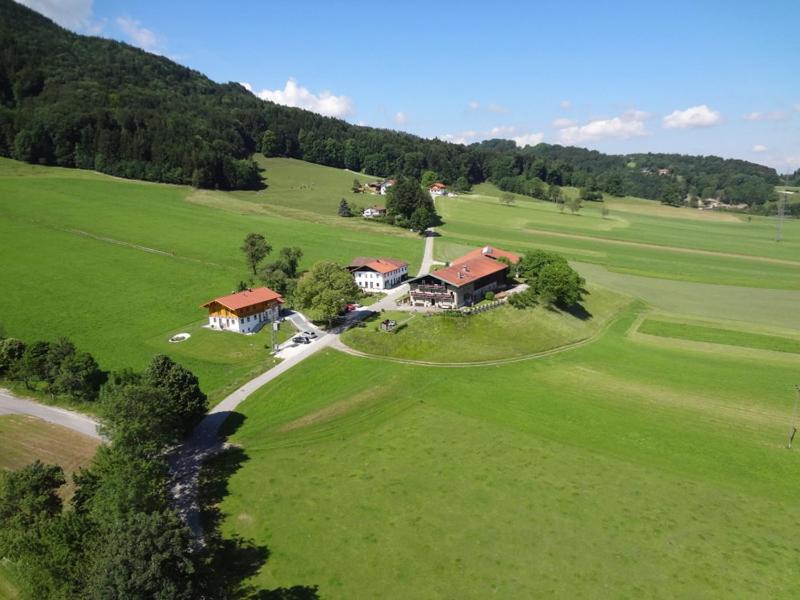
point(629, 124)
point(496, 108)
point(692, 117)
point(138, 35)
point(323, 103)
point(565, 104)
point(401, 118)
point(796, 107)
point(528, 139)
point(774, 115)
point(562, 123)
point(474, 105)
point(246, 86)
point(72, 14)
point(502, 131)
point(759, 148)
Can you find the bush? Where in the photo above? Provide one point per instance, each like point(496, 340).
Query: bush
point(489, 296)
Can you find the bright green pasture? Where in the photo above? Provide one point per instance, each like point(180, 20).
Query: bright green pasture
point(503, 332)
point(719, 335)
point(773, 308)
point(626, 467)
point(307, 187)
point(119, 265)
point(722, 248)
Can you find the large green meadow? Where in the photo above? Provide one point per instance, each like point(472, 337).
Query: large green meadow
point(623, 466)
point(118, 266)
point(648, 460)
point(638, 237)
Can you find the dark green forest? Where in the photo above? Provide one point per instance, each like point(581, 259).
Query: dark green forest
point(92, 103)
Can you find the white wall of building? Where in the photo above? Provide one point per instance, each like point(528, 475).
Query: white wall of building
point(249, 324)
point(372, 281)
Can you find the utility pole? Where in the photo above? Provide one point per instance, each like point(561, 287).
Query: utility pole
point(793, 424)
point(275, 327)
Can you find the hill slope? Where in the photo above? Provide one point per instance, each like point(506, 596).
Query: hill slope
point(78, 101)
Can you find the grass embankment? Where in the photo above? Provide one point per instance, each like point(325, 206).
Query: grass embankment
point(500, 333)
point(719, 335)
point(638, 470)
point(637, 237)
point(118, 266)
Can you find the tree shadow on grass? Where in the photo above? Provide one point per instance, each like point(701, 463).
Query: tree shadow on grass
point(230, 561)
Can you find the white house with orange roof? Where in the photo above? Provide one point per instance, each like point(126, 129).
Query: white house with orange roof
point(375, 274)
point(438, 189)
point(244, 312)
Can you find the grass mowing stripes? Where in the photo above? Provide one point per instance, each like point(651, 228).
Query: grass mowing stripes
point(717, 335)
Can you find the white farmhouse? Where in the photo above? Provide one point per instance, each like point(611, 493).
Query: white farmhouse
point(385, 185)
point(438, 189)
point(374, 211)
point(375, 274)
point(244, 312)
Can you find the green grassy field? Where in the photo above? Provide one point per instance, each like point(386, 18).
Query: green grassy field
point(118, 266)
point(637, 238)
point(504, 332)
point(614, 467)
point(719, 335)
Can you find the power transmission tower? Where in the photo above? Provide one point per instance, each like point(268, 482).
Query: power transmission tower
point(781, 212)
point(793, 424)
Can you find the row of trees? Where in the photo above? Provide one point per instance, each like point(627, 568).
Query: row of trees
point(56, 368)
point(551, 281)
point(119, 537)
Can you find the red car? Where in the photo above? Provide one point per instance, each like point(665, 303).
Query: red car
point(351, 307)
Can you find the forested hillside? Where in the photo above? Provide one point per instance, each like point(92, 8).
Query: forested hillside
point(87, 102)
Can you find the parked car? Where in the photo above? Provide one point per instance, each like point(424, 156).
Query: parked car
point(301, 339)
point(351, 307)
point(310, 334)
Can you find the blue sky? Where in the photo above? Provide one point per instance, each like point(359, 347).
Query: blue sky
point(693, 77)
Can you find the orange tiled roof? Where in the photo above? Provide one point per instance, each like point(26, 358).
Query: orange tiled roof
point(246, 298)
point(489, 252)
point(438, 184)
point(469, 270)
point(381, 265)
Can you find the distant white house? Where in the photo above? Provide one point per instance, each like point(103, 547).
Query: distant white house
point(385, 185)
point(244, 312)
point(438, 189)
point(374, 274)
point(374, 211)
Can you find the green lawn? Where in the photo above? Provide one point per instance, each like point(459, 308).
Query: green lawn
point(637, 237)
point(503, 332)
point(719, 335)
point(613, 467)
point(118, 266)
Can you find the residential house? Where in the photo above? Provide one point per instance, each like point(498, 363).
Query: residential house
point(664, 171)
point(438, 189)
point(465, 282)
point(374, 211)
point(244, 312)
point(374, 274)
point(385, 185)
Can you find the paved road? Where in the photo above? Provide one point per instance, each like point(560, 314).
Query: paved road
point(10, 404)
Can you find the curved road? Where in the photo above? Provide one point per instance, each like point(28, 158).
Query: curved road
point(12, 405)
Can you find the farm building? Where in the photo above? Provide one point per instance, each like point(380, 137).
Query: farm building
point(385, 185)
point(374, 211)
point(244, 312)
point(438, 189)
point(465, 281)
point(378, 273)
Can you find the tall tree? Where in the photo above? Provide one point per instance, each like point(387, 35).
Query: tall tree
point(255, 249)
point(325, 289)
